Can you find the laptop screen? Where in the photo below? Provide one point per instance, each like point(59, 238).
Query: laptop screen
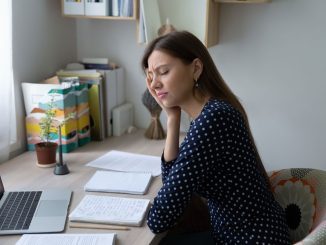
point(2, 189)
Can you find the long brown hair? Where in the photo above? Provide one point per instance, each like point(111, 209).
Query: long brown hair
point(187, 47)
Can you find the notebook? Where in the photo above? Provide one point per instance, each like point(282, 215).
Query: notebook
point(110, 210)
point(119, 182)
point(36, 211)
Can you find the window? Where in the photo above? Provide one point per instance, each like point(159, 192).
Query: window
point(7, 112)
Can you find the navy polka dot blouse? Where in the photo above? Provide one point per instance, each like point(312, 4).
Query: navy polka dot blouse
point(217, 161)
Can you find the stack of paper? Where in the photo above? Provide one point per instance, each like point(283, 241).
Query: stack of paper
point(128, 162)
point(120, 182)
point(67, 239)
point(110, 210)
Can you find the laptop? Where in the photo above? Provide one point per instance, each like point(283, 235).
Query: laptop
point(33, 211)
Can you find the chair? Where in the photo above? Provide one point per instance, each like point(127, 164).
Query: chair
point(302, 194)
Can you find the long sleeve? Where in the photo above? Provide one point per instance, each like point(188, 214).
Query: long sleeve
point(181, 178)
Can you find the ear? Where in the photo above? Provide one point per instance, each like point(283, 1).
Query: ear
point(197, 68)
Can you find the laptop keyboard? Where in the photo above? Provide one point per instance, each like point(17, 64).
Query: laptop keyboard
point(18, 210)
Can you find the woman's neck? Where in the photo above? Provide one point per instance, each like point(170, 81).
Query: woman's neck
point(194, 107)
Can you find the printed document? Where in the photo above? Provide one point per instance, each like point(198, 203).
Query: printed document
point(67, 239)
point(128, 162)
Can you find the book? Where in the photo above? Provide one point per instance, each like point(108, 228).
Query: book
point(110, 210)
point(100, 61)
point(96, 8)
point(128, 162)
point(113, 94)
point(90, 73)
point(116, 5)
point(67, 239)
point(126, 8)
point(96, 66)
point(119, 182)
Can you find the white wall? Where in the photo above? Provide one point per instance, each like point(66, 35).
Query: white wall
point(272, 55)
point(43, 42)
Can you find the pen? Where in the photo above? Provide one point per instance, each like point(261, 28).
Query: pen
point(97, 226)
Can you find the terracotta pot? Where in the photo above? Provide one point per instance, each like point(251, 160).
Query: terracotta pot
point(46, 154)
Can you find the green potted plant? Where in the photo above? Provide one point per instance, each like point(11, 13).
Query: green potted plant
point(46, 149)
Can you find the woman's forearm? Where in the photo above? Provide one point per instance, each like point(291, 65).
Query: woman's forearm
point(171, 149)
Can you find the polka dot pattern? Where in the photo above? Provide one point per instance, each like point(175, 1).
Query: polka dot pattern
point(217, 161)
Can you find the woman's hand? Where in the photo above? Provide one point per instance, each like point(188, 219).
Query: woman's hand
point(171, 112)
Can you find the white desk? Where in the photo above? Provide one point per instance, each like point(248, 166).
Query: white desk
point(22, 173)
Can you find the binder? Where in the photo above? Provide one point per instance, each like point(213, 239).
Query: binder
point(114, 95)
point(96, 8)
point(94, 80)
point(74, 7)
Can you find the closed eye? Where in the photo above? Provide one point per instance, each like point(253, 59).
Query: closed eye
point(164, 72)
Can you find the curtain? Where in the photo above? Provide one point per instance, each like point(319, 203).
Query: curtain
point(6, 79)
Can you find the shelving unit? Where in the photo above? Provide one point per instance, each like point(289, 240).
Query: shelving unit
point(181, 13)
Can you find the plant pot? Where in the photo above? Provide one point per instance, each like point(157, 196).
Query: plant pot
point(46, 154)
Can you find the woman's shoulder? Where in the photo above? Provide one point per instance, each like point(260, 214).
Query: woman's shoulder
point(217, 110)
point(218, 107)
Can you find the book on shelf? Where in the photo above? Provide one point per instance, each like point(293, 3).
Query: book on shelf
point(115, 7)
point(97, 66)
point(123, 8)
point(126, 9)
point(74, 7)
point(110, 210)
point(82, 74)
point(96, 8)
point(119, 182)
point(101, 61)
point(67, 239)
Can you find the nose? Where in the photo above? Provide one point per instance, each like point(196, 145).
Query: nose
point(155, 82)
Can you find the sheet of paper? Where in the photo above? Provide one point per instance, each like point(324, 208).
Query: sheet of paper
point(110, 210)
point(67, 239)
point(120, 182)
point(128, 162)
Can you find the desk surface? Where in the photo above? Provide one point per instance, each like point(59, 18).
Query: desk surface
point(22, 173)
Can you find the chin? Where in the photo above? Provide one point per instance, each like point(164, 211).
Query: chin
point(168, 104)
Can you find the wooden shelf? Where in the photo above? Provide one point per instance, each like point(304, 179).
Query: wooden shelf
point(100, 17)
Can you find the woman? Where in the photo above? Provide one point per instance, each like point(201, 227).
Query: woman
point(218, 159)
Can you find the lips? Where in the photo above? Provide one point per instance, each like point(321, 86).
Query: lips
point(161, 95)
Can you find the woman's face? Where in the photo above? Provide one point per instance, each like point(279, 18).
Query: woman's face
point(170, 79)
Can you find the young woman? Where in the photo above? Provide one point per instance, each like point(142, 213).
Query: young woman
point(218, 159)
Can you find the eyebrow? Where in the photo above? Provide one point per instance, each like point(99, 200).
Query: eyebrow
point(157, 68)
